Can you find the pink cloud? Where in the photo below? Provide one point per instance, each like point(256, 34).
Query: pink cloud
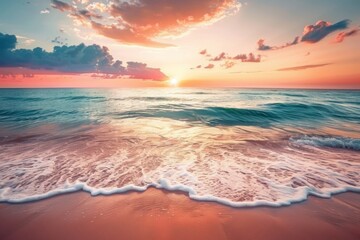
point(240, 57)
point(252, 58)
point(220, 57)
point(229, 61)
point(210, 66)
point(203, 52)
point(341, 36)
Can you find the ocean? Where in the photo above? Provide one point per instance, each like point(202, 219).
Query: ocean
point(239, 147)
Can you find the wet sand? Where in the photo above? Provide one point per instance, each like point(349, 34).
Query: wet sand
point(161, 215)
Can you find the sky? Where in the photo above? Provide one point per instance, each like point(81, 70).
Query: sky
point(173, 43)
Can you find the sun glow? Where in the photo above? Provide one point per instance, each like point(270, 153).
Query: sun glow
point(174, 82)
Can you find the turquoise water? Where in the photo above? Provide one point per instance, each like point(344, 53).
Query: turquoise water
point(236, 146)
point(264, 108)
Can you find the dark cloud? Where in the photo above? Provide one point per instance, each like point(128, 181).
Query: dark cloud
point(341, 36)
point(59, 40)
point(62, 6)
point(83, 16)
point(314, 33)
point(139, 22)
point(263, 47)
point(7, 42)
point(210, 66)
point(73, 59)
point(303, 67)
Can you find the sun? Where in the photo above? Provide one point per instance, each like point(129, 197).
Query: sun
point(174, 82)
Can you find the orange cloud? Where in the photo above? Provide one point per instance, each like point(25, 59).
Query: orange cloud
point(228, 64)
point(139, 22)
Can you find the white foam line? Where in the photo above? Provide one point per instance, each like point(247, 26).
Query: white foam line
point(164, 184)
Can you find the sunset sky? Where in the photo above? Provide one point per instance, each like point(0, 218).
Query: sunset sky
point(202, 43)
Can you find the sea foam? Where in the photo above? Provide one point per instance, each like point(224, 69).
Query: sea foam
point(236, 167)
point(232, 146)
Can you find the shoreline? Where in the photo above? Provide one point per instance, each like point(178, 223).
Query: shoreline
point(184, 190)
point(161, 214)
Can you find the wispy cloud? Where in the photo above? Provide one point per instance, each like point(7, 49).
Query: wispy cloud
point(228, 64)
point(25, 40)
point(263, 47)
point(45, 11)
point(303, 67)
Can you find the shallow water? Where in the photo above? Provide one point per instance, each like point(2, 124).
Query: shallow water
point(239, 147)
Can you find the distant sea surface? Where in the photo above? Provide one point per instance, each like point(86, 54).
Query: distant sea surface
point(239, 147)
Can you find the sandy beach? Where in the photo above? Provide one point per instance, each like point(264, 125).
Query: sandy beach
point(157, 214)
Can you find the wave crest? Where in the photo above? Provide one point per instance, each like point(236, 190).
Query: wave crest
point(329, 141)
